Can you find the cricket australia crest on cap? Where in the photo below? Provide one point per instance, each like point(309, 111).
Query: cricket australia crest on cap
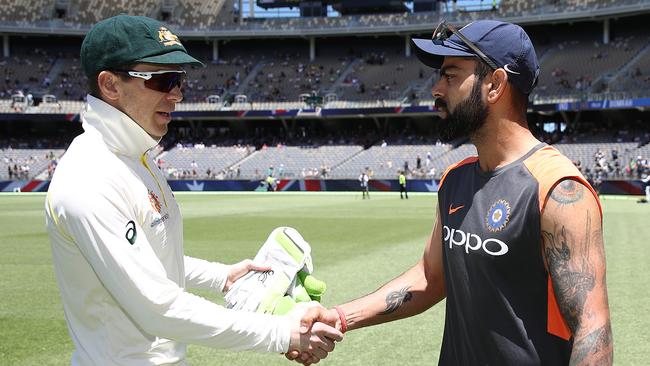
point(498, 216)
point(155, 203)
point(167, 37)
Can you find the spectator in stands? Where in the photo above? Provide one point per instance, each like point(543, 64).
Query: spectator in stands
point(551, 307)
point(324, 171)
point(281, 171)
point(116, 229)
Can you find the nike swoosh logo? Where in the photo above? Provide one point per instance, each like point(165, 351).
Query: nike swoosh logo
point(454, 209)
point(507, 67)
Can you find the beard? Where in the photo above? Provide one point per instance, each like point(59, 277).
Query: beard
point(466, 119)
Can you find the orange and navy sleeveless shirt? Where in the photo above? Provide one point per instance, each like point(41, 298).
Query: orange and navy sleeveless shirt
point(501, 308)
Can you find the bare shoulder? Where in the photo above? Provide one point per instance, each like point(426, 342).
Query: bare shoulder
point(569, 192)
point(573, 247)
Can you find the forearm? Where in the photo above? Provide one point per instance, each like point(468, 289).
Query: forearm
point(409, 294)
point(593, 346)
point(206, 275)
point(191, 319)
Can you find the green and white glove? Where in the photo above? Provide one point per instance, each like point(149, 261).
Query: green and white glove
point(290, 281)
point(305, 289)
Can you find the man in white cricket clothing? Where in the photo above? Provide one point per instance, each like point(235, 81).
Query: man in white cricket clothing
point(116, 230)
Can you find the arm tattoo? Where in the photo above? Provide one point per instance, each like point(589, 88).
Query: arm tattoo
point(573, 278)
point(595, 348)
point(395, 299)
point(567, 192)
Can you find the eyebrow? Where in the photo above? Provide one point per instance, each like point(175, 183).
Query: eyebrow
point(444, 69)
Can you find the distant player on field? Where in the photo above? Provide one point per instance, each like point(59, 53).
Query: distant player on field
point(117, 232)
point(363, 183)
point(402, 185)
point(517, 247)
point(646, 180)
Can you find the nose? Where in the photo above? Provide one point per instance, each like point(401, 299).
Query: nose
point(175, 95)
point(437, 90)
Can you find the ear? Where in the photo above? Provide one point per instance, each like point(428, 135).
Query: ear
point(108, 85)
point(498, 84)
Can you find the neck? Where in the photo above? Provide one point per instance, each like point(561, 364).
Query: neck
point(502, 141)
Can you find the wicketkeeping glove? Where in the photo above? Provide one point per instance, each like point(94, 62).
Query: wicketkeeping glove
point(290, 280)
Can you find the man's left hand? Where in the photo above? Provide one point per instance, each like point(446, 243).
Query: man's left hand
point(240, 269)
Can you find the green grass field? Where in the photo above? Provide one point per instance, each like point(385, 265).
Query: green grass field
point(357, 246)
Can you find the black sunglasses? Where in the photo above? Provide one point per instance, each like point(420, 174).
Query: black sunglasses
point(163, 81)
point(443, 31)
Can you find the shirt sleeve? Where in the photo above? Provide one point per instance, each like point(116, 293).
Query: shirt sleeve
point(104, 226)
point(205, 275)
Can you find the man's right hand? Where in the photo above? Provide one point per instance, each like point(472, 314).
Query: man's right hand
point(316, 332)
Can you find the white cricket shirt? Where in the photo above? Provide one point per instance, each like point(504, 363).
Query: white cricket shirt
point(117, 245)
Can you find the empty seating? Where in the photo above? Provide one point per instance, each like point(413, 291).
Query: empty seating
point(296, 162)
point(386, 161)
point(201, 162)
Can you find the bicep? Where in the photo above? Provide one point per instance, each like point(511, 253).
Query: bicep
point(432, 261)
point(572, 243)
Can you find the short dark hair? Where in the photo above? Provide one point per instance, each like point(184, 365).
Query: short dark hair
point(519, 99)
point(93, 85)
point(482, 69)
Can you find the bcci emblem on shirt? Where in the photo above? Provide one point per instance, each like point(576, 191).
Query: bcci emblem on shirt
point(498, 216)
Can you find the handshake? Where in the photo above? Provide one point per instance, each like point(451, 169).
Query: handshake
point(289, 289)
point(313, 334)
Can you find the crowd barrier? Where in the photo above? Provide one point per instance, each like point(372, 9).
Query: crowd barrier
point(611, 187)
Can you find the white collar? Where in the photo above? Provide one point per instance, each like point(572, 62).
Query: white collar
point(122, 135)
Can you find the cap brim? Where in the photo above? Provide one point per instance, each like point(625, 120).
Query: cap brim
point(172, 58)
point(433, 54)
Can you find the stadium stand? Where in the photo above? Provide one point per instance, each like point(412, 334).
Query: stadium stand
point(384, 161)
point(92, 11)
point(23, 164)
point(296, 161)
point(359, 62)
point(25, 11)
point(197, 14)
point(567, 71)
point(200, 161)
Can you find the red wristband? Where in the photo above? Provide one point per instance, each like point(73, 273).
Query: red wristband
point(344, 324)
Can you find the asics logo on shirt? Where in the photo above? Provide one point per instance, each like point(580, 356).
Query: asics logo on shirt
point(131, 233)
point(459, 238)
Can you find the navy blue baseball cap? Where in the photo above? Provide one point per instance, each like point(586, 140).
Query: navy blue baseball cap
point(507, 45)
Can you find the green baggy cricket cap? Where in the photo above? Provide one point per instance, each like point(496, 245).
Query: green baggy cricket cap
point(126, 39)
